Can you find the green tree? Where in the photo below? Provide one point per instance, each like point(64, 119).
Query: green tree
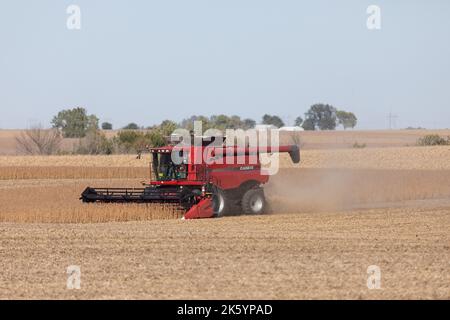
point(129, 141)
point(235, 122)
point(320, 116)
point(155, 138)
point(95, 142)
point(308, 124)
point(298, 121)
point(189, 122)
point(223, 122)
point(74, 123)
point(131, 126)
point(220, 121)
point(248, 124)
point(107, 126)
point(272, 120)
point(167, 127)
point(346, 119)
point(92, 123)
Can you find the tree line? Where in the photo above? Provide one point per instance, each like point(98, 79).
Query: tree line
point(77, 123)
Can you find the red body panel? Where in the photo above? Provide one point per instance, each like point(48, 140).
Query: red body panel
point(235, 176)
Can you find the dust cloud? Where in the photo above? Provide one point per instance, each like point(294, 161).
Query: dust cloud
point(309, 190)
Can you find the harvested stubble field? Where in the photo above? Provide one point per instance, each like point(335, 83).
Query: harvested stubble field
point(289, 256)
point(336, 214)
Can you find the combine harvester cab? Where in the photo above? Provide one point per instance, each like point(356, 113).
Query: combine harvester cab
point(204, 181)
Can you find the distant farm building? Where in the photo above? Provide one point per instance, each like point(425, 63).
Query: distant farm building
point(292, 129)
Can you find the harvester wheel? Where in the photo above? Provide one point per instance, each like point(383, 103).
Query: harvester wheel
point(221, 203)
point(254, 202)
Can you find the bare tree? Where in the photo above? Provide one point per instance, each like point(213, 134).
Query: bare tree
point(39, 141)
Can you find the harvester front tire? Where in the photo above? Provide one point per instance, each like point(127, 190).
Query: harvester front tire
point(254, 202)
point(221, 203)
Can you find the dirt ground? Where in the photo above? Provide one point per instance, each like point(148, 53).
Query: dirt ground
point(317, 245)
point(333, 216)
point(285, 256)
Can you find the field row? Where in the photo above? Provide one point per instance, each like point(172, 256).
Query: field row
point(47, 202)
point(291, 191)
point(69, 172)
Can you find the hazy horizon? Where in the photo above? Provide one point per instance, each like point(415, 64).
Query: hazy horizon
point(149, 61)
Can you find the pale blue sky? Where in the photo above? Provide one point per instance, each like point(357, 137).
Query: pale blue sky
point(146, 61)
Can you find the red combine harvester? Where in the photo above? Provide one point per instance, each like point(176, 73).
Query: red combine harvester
point(206, 181)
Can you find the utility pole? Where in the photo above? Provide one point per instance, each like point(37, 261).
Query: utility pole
point(392, 120)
